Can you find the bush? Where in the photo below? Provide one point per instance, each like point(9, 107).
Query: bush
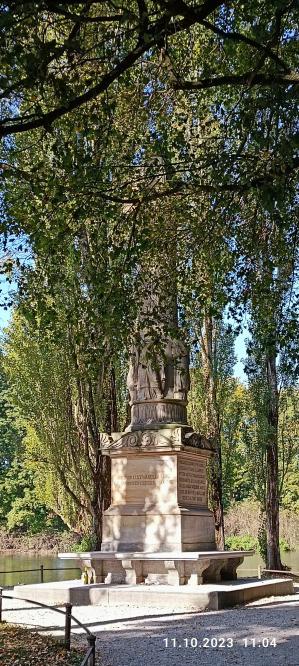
point(243, 518)
point(285, 547)
point(245, 542)
point(249, 542)
point(87, 543)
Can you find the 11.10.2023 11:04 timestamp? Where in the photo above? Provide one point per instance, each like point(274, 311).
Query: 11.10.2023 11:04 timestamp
point(219, 642)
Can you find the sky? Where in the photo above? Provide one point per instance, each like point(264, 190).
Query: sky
point(5, 288)
point(240, 351)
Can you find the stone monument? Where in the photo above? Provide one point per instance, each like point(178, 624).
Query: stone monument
point(158, 466)
point(158, 527)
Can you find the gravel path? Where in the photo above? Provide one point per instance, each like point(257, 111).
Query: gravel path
point(139, 636)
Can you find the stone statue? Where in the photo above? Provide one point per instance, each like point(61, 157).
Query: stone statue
point(145, 381)
point(181, 371)
point(159, 378)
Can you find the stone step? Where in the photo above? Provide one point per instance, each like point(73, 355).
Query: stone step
point(204, 597)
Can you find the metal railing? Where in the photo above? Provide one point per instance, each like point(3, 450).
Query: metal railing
point(41, 569)
point(89, 658)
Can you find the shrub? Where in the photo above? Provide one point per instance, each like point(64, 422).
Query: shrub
point(245, 542)
point(285, 547)
point(86, 544)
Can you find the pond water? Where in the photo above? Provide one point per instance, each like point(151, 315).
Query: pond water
point(17, 561)
point(13, 562)
point(250, 564)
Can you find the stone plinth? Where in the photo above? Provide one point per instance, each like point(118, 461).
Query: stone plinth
point(203, 598)
point(151, 412)
point(170, 568)
point(159, 493)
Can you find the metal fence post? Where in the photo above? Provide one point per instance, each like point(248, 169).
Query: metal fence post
point(67, 626)
point(92, 644)
point(41, 573)
point(1, 604)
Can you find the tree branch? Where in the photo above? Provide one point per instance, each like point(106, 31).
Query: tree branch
point(239, 37)
point(159, 30)
point(247, 79)
point(182, 188)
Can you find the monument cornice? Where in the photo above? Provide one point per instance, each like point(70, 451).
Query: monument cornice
point(168, 439)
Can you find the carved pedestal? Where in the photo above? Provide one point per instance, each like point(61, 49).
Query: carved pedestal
point(193, 569)
point(159, 493)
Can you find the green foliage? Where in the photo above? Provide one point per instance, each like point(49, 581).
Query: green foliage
point(154, 141)
point(248, 542)
point(245, 542)
point(285, 546)
point(10, 432)
point(87, 544)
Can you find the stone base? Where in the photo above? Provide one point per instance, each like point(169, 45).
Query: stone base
point(132, 528)
point(206, 597)
point(159, 494)
point(172, 568)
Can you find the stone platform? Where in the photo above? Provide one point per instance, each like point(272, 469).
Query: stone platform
point(201, 598)
point(171, 568)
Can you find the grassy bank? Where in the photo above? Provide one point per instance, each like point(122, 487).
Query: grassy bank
point(45, 542)
point(22, 647)
point(242, 523)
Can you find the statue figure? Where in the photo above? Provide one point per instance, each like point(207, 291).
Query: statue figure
point(132, 378)
point(145, 381)
point(177, 371)
point(158, 379)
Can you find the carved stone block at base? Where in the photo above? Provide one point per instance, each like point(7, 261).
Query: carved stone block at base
point(159, 495)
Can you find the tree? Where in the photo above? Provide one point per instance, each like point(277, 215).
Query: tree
point(212, 386)
point(94, 180)
point(74, 52)
point(10, 434)
point(270, 319)
point(63, 409)
point(288, 442)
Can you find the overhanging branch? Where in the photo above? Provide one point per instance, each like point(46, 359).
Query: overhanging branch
point(247, 79)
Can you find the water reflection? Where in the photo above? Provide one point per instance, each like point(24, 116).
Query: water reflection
point(250, 565)
point(31, 561)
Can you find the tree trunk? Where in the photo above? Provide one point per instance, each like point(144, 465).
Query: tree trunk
point(111, 409)
point(272, 491)
point(101, 497)
point(213, 429)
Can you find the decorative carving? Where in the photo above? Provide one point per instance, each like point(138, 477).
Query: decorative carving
point(198, 441)
point(145, 381)
point(105, 440)
point(145, 413)
point(176, 437)
point(142, 439)
point(147, 438)
point(177, 378)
